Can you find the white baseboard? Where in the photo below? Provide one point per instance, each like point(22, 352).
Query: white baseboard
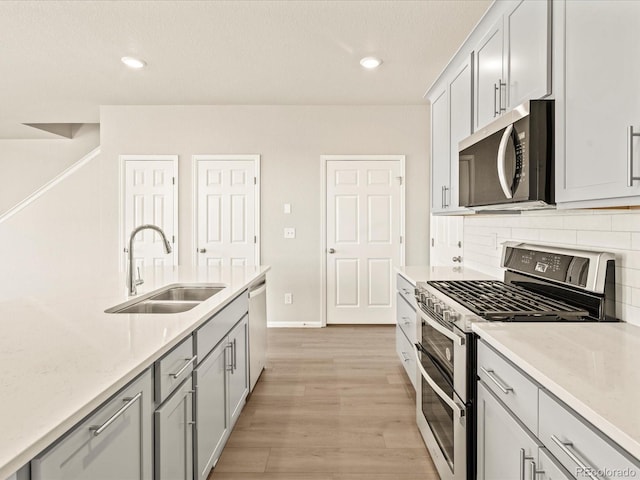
point(294, 324)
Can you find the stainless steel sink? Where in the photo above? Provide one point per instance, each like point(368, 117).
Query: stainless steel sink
point(174, 298)
point(188, 294)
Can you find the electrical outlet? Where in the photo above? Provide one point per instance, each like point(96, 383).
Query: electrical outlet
point(288, 298)
point(289, 232)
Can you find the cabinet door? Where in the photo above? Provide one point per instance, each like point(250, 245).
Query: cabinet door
point(549, 468)
point(238, 374)
point(174, 435)
point(211, 415)
point(120, 448)
point(460, 123)
point(528, 44)
point(601, 100)
point(489, 80)
point(505, 449)
point(440, 169)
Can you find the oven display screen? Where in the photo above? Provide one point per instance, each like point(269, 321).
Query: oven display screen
point(553, 266)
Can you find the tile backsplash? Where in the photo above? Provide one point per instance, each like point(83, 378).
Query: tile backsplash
point(615, 231)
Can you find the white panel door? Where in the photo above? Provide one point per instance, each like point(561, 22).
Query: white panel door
point(226, 218)
point(149, 198)
point(363, 228)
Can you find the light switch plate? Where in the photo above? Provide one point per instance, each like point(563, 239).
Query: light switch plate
point(289, 232)
point(287, 208)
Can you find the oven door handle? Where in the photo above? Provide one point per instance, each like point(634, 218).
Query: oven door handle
point(448, 400)
point(436, 326)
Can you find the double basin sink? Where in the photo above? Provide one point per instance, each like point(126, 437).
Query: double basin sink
point(174, 298)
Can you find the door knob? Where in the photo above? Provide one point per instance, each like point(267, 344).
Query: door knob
point(457, 259)
point(202, 250)
point(332, 250)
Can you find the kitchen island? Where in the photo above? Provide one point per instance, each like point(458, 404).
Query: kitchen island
point(63, 356)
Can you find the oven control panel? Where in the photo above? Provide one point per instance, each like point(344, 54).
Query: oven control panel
point(569, 269)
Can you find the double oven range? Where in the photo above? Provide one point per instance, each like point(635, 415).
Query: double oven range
point(541, 284)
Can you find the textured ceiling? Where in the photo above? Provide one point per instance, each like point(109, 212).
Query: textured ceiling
point(61, 60)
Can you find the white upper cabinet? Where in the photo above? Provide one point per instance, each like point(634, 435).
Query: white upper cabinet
point(527, 52)
point(460, 119)
point(440, 175)
point(598, 100)
point(489, 84)
point(512, 60)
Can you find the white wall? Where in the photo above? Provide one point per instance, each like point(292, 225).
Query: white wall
point(616, 231)
point(26, 165)
point(290, 140)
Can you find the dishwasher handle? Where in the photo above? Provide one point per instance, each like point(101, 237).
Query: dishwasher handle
point(258, 289)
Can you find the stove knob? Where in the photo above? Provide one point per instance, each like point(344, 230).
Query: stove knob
point(438, 308)
point(430, 301)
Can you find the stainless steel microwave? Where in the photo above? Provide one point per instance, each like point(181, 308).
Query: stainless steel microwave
point(509, 164)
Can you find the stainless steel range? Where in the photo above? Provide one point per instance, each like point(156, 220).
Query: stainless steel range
point(541, 284)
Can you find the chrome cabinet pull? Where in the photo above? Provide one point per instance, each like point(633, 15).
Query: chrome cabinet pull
point(229, 367)
point(535, 471)
point(630, 135)
point(235, 356)
point(495, 100)
point(186, 365)
point(567, 448)
point(98, 429)
point(444, 196)
point(500, 107)
point(523, 458)
point(491, 374)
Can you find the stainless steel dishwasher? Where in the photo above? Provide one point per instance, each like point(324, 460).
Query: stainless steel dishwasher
point(257, 330)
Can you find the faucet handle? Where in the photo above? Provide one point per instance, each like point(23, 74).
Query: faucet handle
point(139, 280)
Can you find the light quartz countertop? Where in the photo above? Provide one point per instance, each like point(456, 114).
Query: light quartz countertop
point(592, 367)
point(414, 274)
point(62, 356)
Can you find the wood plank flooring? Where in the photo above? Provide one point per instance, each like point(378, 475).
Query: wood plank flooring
point(332, 404)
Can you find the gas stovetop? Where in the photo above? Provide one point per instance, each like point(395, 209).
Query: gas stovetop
point(498, 301)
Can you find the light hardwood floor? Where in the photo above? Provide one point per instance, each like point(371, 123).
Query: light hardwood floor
point(332, 404)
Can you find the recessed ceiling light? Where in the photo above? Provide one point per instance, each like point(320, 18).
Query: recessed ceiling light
point(370, 62)
point(132, 62)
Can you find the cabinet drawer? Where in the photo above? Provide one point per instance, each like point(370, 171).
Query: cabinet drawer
point(406, 319)
point(210, 334)
point(578, 446)
point(407, 290)
point(113, 442)
point(405, 351)
point(511, 386)
point(173, 368)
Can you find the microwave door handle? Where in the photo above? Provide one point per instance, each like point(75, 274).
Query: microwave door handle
point(502, 159)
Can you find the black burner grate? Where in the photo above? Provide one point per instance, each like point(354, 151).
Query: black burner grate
point(495, 300)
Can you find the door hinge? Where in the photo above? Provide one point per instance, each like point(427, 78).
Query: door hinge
point(400, 180)
point(255, 180)
point(433, 242)
point(400, 238)
point(173, 239)
point(255, 239)
point(173, 180)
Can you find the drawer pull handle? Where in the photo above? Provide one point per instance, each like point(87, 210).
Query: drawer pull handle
point(491, 374)
point(567, 448)
point(186, 365)
point(98, 429)
point(523, 458)
point(534, 471)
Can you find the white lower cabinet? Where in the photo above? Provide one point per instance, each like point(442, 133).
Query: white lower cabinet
point(238, 375)
point(222, 384)
point(505, 448)
point(548, 468)
point(174, 435)
point(210, 380)
point(115, 442)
